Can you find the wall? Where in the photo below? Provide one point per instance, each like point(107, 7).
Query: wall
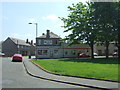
point(9, 48)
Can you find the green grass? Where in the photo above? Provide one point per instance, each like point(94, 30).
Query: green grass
point(93, 68)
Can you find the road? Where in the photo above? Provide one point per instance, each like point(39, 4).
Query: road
point(15, 76)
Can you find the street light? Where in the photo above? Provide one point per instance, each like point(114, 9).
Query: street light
point(36, 37)
point(36, 27)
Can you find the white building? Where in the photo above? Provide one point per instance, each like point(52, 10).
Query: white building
point(49, 46)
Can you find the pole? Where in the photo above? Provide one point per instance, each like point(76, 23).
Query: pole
point(36, 29)
point(36, 41)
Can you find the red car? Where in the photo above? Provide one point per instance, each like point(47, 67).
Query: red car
point(84, 55)
point(17, 57)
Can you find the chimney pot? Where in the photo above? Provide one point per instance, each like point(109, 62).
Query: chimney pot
point(27, 41)
point(31, 42)
point(48, 34)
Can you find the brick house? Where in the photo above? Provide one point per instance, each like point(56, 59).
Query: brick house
point(12, 45)
point(49, 46)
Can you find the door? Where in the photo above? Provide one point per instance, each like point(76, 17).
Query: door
point(100, 52)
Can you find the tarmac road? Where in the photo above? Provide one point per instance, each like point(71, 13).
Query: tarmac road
point(15, 76)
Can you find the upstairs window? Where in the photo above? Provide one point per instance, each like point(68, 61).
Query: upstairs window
point(56, 42)
point(39, 42)
point(47, 42)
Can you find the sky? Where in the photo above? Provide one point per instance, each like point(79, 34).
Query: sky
point(17, 14)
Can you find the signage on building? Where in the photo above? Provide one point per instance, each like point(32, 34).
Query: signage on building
point(44, 47)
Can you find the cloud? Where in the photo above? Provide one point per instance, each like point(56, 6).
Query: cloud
point(51, 17)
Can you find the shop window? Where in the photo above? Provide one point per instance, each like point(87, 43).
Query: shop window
point(66, 52)
point(44, 52)
point(87, 50)
point(74, 52)
point(39, 52)
point(56, 52)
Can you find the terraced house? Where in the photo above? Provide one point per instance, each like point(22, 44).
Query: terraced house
point(13, 45)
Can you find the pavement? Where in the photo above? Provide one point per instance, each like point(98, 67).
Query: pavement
point(35, 71)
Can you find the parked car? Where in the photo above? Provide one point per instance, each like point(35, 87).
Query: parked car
point(2, 54)
point(115, 54)
point(95, 54)
point(17, 57)
point(84, 55)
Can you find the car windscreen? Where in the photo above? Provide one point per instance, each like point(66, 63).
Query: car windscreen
point(18, 55)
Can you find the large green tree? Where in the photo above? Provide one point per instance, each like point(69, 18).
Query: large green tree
point(91, 22)
point(105, 16)
point(82, 25)
point(117, 27)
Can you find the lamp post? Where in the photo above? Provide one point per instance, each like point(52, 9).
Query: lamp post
point(36, 24)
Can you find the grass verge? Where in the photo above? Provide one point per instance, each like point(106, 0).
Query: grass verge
point(92, 68)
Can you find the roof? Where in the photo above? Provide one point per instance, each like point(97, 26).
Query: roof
point(52, 35)
point(19, 41)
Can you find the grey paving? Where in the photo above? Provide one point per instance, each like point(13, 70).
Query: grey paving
point(95, 83)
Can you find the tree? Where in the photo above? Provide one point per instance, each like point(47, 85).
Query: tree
point(117, 27)
point(81, 23)
point(104, 14)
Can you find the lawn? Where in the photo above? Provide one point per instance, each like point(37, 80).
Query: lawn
point(92, 68)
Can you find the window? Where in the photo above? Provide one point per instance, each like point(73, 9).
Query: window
point(56, 42)
point(42, 52)
point(66, 52)
point(39, 52)
point(18, 46)
point(56, 52)
point(48, 42)
point(74, 52)
point(39, 42)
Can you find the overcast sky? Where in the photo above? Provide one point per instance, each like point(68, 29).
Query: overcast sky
point(16, 16)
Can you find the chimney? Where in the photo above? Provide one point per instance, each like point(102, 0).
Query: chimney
point(48, 34)
point(27, 41)
point(31, 42)
point(43, 34)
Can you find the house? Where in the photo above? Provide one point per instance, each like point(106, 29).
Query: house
point(12, 45)
point(100, 49)
point(49, 46)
